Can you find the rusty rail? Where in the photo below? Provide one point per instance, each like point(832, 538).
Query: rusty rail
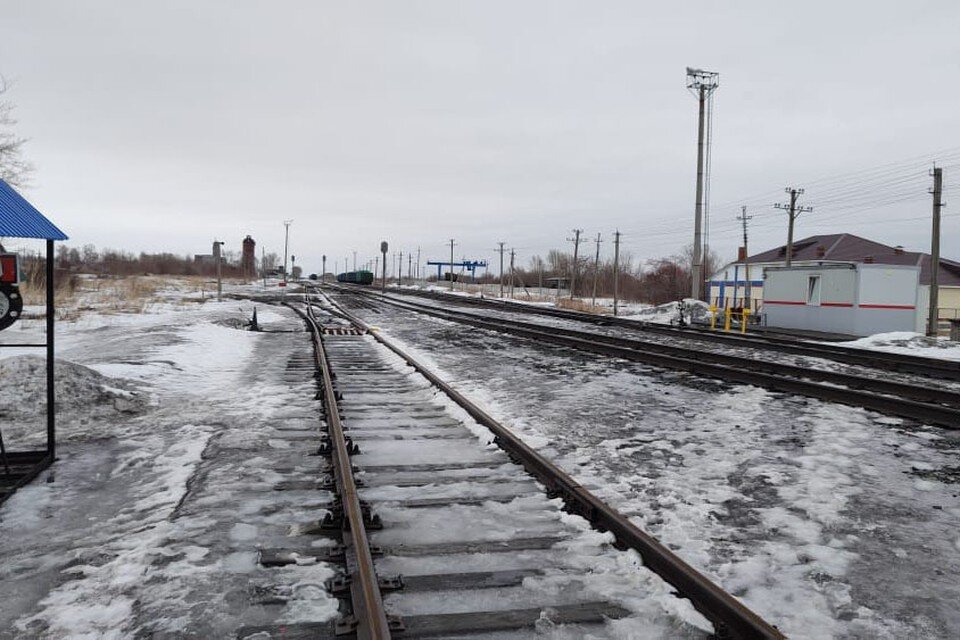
point(369, 621)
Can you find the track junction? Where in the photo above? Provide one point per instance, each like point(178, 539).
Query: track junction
point(482, 526)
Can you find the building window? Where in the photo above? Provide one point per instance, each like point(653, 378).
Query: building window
point(813, 290)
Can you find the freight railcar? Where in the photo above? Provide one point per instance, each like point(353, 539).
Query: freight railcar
point(356, 277)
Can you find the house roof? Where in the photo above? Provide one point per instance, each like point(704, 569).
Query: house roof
point(846, 247)
point(19, 218)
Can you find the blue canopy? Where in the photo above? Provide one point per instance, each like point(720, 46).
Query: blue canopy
point(20, 219)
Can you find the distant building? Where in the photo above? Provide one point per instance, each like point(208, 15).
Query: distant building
point(248, 260)
point(855, 265)
point(209, 259)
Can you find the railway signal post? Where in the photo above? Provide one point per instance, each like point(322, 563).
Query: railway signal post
point(383, 281)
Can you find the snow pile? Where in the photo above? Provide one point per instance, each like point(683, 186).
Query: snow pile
point(669, 313)
point(82, 394)
point(910, 343)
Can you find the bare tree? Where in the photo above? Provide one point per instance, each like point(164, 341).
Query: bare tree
point(13, 168)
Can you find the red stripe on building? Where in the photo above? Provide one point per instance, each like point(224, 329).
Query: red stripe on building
point(836, 304)
point(782, 302)
point(887, 306)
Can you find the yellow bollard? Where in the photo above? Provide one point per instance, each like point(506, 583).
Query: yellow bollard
point(726, 322)
point(743, 320)
point(713, 316)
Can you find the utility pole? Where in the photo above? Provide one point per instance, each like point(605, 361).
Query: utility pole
point(218, 256)
point(743, 217)
point(512, 254)
point(323, 272)
point(286, 245)
point(263, 265)
point(576, 252)
point(793, 211)
point(704, 83)
point(354, 260)
point(501, 267)
point(596, 269)
point(418, 263)
point(933, 315)
point(400, 270)
point(539, 276)
point(616, 269)
point(451, 263)
point(383, 282)
point(409, 264)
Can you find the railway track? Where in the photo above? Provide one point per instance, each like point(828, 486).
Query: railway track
point(442, 536)
point(921, 403)
point(901, 363)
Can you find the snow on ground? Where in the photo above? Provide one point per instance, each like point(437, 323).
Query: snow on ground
point(908, 343)
point(669, 313)
point(831, 522)
point(170, 445)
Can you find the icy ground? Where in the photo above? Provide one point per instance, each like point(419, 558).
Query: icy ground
point(148, 525)
point(831, 522)
point(909, 343)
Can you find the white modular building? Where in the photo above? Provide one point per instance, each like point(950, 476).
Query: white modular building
point(852, 298)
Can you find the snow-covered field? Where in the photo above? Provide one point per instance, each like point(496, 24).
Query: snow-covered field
point(830, 521)
point(148, 525)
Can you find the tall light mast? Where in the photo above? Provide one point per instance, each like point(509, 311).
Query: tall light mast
point(702, 84)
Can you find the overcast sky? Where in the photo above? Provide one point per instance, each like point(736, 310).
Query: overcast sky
point(161, 125)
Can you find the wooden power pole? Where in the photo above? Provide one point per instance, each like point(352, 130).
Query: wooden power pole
point(743, 217)
point(501, 268)
point(596, 269)
point(933, 315)
point(793, 211)
point(616, 269)
point(576, 253)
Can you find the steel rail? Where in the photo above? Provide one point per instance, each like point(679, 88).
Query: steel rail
point(730, 617)
point(368, 611)
point(903, 363)
point(733, 368)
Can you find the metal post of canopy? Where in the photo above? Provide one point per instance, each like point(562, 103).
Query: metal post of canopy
point(51, 399)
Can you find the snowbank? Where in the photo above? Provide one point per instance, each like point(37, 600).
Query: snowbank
point(909, 343)
point(83, 395)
